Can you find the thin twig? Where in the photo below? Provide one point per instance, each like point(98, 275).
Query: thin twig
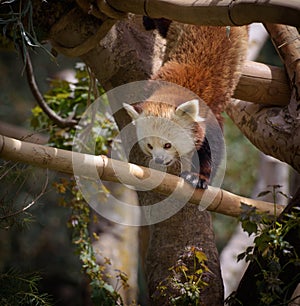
point(7, 170)
point(61, 122)
point(23, 209)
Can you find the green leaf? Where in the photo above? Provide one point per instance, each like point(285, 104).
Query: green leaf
point(262, 241)
point(246, 210)
point(241, 256)
point(249, 227)
point(263, 193)
point(200, 256)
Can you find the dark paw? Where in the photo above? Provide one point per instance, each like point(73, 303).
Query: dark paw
point(194, 179)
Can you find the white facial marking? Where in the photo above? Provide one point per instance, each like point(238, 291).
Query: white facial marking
point(163, 139)
point(166, 140)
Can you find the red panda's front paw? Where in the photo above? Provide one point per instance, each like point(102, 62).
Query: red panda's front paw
point(195, 180)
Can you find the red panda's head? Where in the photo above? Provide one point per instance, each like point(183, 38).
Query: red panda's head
point(165, 132)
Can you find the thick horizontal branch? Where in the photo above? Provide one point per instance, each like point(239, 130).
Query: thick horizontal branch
point(259, 83)
point(263, 84)
point(18, 132)
point(223, 201)
point(226, 12)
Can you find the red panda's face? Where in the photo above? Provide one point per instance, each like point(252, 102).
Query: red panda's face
point(162, 150)
point(166, 139)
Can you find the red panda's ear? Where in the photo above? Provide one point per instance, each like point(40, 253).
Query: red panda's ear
point(189, 110)
point(131, 111)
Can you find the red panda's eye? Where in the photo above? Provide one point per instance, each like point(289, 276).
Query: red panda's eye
point(149, 146)
point(167, 145)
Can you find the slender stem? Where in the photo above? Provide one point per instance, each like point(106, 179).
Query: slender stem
point(61, 122)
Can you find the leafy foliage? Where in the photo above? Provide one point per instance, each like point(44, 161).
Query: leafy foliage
point(20, 289)
point(17, 26)
point(185, 286)
point(69, 99)
point(14, 202)
point(102, 293)
point(273, 253)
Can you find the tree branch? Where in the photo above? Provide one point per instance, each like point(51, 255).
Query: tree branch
point(217, 13)
point(269, 129)
point(259, 83)
point(19, 132)
point(263, 84)
point(286, 40)
point(275, 131)
point(61, 122)
point(112, 170)
point(27, 206)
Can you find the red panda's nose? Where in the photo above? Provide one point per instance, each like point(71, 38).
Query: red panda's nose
point(159, 160)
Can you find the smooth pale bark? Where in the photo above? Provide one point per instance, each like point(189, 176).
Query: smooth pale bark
point(210, 12)
point(263, 84)
point(18, 132)
point(116, 171)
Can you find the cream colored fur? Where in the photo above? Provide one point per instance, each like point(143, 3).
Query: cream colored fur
point(167, 139)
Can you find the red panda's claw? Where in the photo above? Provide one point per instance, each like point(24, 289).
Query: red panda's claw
point(194, 180)
point(202, 184)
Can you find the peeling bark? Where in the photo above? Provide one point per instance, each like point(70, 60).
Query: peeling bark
point(286, 40)
point(270, 129)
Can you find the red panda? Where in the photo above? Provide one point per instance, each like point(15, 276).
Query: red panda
point(207, 61)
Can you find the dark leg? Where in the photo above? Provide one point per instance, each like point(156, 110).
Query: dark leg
point(201, 171)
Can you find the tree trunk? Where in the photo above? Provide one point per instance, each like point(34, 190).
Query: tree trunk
point(129, 53)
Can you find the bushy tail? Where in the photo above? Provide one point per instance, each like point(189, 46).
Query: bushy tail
point(206, 60)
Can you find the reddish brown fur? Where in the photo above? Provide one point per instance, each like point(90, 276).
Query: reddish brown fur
point(158, 109)
point(207, 60)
